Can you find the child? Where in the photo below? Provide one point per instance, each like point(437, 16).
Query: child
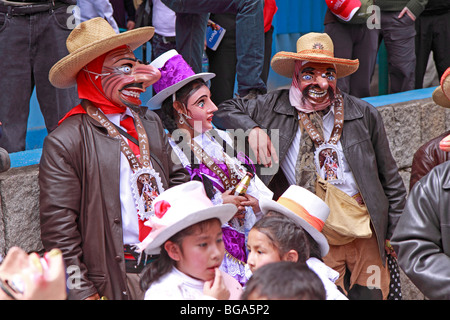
point(284, 280)
point(298, 214)
point(209, 155)
point(187, 235)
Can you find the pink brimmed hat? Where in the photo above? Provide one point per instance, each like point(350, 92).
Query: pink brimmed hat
point(441, 95)
point(344, 9)
point(305, 209)
point(175, 73)
point(180, 207)
point(313, 47)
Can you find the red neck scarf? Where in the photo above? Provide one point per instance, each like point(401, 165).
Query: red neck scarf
point(90, 88)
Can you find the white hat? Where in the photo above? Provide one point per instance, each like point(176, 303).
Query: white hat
point(178, 208)
point(305, 208)
point(175, 73)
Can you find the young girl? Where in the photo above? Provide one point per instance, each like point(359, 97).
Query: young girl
point(290, 231)
point(208, 155)
point(187, 235)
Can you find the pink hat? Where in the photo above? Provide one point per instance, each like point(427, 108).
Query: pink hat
point(175, 73)
point(344, 9)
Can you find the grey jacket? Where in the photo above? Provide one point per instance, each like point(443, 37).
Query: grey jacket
point(364, 143)
point(422, 236)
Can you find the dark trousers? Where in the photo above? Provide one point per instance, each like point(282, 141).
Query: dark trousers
point(192, 17)
point(433, 34)
point(355, 41)
point(223, 61)
point(29, 46)
point(399, 38)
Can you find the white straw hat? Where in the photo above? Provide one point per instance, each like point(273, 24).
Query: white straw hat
point(304, 208)
point(178, 208)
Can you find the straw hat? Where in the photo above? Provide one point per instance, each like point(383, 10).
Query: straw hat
point(175, 73)
point(305, 208)
point(178, 208)
point(441, 95)
point(89, 40)
point(313, 47)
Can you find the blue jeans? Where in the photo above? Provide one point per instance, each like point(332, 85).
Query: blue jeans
point(192, 18)
point(29, 46)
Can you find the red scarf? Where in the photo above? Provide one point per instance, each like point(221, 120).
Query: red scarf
point(90, 88)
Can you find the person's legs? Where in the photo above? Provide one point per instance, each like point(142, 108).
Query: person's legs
point(340, 34)
point(399, 37)
point(369, 278)
point(15, 81)
point(365, 48)
point(49, 46)
point(191, 22)
point(441, 42)
point(250, 46)
point(222, 62)
point(423, 42)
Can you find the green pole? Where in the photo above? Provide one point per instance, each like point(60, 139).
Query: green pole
point(383, 77)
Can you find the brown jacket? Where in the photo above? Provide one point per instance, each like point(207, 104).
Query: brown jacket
point(428, 156)
point(80, 202)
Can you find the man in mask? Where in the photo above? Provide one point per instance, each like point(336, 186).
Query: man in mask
point(334, 145)
point(97, 167)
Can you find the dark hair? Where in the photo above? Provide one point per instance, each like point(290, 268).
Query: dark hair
point(183, 94)
point(284, 234)
point(285, 280)
point(163, 264)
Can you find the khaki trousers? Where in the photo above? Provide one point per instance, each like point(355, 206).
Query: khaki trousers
point(361, 257)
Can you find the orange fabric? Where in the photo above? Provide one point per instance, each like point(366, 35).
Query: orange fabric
point(301, 212)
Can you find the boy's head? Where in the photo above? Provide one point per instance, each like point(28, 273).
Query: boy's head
point(284, 281)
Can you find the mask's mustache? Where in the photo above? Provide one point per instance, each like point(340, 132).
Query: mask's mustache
point(305, 91)
point(139, 85)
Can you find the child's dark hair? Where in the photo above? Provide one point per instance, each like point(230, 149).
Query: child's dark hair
point(182, 95)
point(284, 234)
point(163, 264)
point(284, 280)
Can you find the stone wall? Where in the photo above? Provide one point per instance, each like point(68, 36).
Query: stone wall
point(408, 126)
point(411, 124)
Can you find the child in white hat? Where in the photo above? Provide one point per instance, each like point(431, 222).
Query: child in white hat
point(187, 235)
point(290, 230)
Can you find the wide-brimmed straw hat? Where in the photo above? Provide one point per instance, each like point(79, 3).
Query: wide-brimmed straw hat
point(89, 40)
point(313, 47)
point(441, 95)
point(305, 209)
point(180, 207)
point(175, 73)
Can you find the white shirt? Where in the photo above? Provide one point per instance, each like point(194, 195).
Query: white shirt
point(176, 285)
point(163, 19)
point(288, 164)
point(128, 208)
point(328, 277)
point(99, 8)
